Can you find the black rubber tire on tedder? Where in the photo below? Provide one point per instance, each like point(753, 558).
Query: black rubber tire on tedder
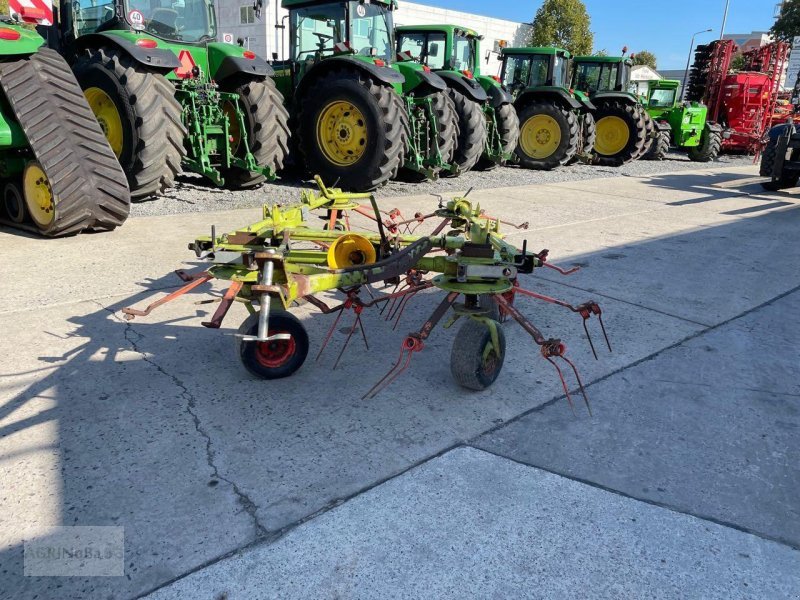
point(468, 364)
point(276, 359)
point(386, 125)
point(152, 128)
point(267, 122)
point(568, 143)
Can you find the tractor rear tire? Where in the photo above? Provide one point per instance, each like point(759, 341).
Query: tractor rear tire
point(650, 133)
point(446, 137)
point(139, 114)
point(621, 133)
point(367, 127)
point(472, 131)
point(660, 147)
point(267, 131)
point(787, 179)
point(276, 359)
point(708, 150)
point(507, 130)
point(469, 363)
point(588, 129)
point(541, 147)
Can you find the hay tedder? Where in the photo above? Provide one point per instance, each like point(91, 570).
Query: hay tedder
point(281, 259)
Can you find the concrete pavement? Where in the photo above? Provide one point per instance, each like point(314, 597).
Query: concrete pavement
point(154, 426)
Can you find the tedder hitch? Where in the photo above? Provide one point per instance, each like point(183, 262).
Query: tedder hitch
point(281, 259)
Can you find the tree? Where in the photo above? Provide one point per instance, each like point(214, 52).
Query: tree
point(645, 57)
point(565, 24)
point(787, 26)
point(737, 62)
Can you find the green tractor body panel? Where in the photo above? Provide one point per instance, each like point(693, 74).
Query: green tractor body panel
point(28, 41)
point(11, 135)
point(687, 120)
point(459, 58)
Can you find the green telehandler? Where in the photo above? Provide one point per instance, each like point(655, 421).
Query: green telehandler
point(488, 123)
point(57, 172)
point(684, 125)
point(556, 122)
point(167, 95)
point(360, 115)
point(625, 131)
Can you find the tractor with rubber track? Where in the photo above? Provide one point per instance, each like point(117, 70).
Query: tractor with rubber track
point(361, 117)
point(169, 97)
point(684, 125)
point(556, 123)
point(625, 131)
point(488, 123)
point(57, 172)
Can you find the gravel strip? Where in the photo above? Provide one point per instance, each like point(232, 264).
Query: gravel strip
point(191, 195)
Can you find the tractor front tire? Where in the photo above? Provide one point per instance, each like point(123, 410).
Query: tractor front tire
point(708, 150)
point(139, 115)
point(786, 180)
point(621, 133)
point(548, 136)
point(352, 130)
point(267, 123)
point(507, 131)
point(276, 359)
point(472, 131)
point(474, 363)
point(660, 147)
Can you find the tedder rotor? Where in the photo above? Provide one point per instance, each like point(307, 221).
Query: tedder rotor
point(57, 171)
point(281, 259)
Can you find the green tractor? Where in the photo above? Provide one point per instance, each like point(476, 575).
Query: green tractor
point(168, 96)
point(556, 123)
point(488, 123)
point(625, 131)
point(57, 171)
point(682, 124)
point(360, 116)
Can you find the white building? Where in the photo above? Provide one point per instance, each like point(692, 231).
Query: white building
point(237, 21)
point(640, 75)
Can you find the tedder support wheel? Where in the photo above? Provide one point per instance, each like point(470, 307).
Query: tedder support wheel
point(472, 131)
point(139, 114)
point(474, 361)
point(787, 179)
point(352, 130)
point(708, 150)
point(507, 130)
point(276, 359)
point(660, 147)
point(267, 123)
point(74, 183)
point(548, 136)
point(621, 133)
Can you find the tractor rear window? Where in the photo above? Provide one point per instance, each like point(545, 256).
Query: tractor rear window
point(523, 71)
point(662, 99)
point(427, 48)
point(317, 29)
point(372, 27)
point(463, 53)
point(87, 19)
point(174, 20)
point(596, 77)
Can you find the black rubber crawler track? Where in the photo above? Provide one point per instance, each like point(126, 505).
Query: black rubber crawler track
point(88, 185)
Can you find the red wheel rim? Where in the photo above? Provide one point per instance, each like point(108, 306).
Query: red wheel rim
point(276, 353)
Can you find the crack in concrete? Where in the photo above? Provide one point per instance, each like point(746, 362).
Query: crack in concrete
point(249, 506)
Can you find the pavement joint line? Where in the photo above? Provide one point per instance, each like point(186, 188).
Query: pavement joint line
point(275, 535)
point(663, 505)
point(628, 302)
point(582, 222)
point(730, 387)
point(245, 501)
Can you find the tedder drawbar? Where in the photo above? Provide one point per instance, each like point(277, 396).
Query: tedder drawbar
point(281, 259)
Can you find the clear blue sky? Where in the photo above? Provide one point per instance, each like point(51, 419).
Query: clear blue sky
point(663, 27)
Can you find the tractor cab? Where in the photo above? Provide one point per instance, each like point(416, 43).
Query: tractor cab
point(441, 47)
point(598, 74)
point(178, 21)
point(662, 96)
point(534, 68)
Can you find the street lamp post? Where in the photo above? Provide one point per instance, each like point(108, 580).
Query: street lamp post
point(689, 60)
point(724, 19)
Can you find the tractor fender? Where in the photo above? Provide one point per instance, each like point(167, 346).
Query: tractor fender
point(586, 103)
point(384, 75)
point(606, 96)
point(417, 77)
point(468, 87)
point(154, 58)
point(233, 65)
point(556, 95)
point(776, 131)
point(499, 96)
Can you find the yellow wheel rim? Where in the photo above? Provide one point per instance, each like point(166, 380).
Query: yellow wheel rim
point(613, 136)
point(233, 125)
point(342, 133)
point(38, 195)
point(106, 113)
point(540, 136)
